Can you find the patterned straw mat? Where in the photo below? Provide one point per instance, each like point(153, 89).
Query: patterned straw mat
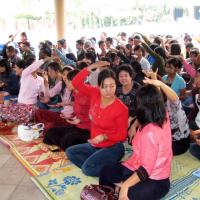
point(59, 179)
point(30, 155)
point(67, 182)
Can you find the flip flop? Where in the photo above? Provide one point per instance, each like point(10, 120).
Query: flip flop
point(57, 155)
point(43, 147)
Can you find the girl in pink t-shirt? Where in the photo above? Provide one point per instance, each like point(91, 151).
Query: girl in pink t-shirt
point(51, 118)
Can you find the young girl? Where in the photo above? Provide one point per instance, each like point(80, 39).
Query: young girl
point(53, 85)
point(172, 78)
point(109, 123)
point(50, 118)
point(145, 175)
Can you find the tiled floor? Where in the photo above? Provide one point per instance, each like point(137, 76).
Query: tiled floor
point(15, 182)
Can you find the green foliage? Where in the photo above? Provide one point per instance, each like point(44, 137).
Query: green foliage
point(27, 16)
point(135, 15)
point(85, 14)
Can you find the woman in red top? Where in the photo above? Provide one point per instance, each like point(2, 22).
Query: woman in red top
point(109, 122)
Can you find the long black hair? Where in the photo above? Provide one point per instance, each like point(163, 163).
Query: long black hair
point(175, 49)
point(68, 69)
point(160, 51)
point(4, 63)
point(72, 74)
point(106, 73)
point(55, 66)
point(150, 106)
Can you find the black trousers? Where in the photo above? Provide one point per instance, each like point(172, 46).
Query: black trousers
point(67, 136)
point(193, 125)
point(181, 146)
point(147, 190)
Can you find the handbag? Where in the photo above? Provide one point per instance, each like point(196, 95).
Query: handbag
point(97, 192)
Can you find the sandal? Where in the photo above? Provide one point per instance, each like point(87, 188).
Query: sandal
point(43, 147)
point(57, 155)
point(53, 148)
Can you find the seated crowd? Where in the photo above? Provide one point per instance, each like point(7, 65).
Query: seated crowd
point(137, 89)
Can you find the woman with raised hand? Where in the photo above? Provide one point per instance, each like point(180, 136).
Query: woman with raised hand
point(52, 118)
point(109, 123)
point(178, 120)
point(158, 54)
point(30, 88)
point(145, 175)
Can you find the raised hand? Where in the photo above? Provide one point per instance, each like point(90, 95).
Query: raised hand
point(156, 83)
point(98, 64)
point(151, 74)
point(46, 78)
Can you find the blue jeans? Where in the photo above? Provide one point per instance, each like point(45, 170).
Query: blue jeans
point(12, 98)
point(186, 104)
point(46, 107)
point(195, 150)
point(91, 160)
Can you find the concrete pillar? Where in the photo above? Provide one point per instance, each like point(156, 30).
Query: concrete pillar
point(60, 18)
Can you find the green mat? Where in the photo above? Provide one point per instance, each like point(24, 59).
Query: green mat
point(67, 182)
point(184, 185)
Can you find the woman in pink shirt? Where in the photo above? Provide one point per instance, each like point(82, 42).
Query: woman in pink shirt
point(145, 175)
point(31, 85)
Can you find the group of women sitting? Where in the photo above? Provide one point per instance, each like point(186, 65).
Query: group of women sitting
point(91, 123)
